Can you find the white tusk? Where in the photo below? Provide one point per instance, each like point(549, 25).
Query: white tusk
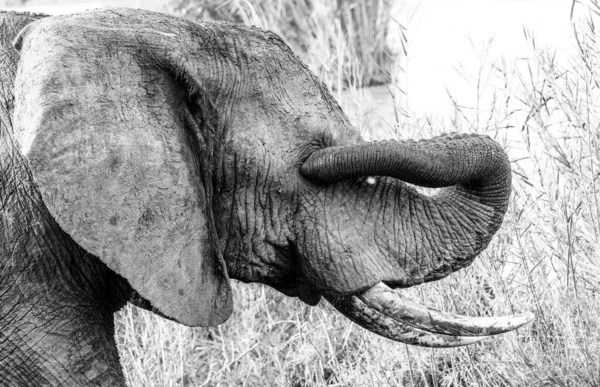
point(383, 299)
point(376, 322)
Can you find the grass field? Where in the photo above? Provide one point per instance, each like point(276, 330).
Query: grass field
point(544, 259)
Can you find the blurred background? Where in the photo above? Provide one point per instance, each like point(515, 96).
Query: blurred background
point(524, 72)
point(427, 47)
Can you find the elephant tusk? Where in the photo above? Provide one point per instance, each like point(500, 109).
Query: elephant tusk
point(383, 299)
point(369, 318)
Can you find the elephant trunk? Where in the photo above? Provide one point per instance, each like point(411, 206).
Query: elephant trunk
point(425, 238)
point(475, 163)
point(457, 223)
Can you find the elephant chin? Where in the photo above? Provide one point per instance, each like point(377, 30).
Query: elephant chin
point(387, 313)
point(302, 290)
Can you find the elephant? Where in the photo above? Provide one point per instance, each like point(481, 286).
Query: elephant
point(150, 159)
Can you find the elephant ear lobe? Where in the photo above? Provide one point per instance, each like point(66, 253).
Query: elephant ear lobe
point(120, 171)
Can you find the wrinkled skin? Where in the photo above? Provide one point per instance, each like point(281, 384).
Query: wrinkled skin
point(151, 159)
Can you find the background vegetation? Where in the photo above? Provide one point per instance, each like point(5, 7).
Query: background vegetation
point(344, 42)
point(544, 259)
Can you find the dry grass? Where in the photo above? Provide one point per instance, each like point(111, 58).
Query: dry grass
point(344, 42)
point(544, 259)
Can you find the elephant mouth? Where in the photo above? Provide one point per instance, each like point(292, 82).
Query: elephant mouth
point(383, 311)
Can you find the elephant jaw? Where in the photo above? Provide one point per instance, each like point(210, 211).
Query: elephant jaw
point(381, 310)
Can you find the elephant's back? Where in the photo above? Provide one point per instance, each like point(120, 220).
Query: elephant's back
point(10, 25)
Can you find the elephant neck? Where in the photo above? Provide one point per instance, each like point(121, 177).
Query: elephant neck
point(40, 347)
point(56, 301)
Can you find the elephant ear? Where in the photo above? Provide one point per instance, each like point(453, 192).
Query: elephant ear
point(120, 169)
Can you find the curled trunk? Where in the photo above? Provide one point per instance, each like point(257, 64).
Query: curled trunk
point(377, 231)
point(403, 237)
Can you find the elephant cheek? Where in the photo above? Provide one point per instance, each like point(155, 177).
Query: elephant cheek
point(341, 253)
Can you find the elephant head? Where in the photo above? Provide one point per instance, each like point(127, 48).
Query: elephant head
point(162, 157)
